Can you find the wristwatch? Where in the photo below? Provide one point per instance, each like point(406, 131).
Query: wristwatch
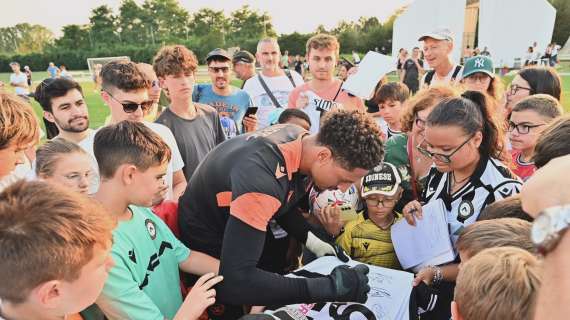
point(548, 228)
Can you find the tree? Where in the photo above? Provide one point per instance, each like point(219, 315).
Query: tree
point(130, 23)
point(206, 21)
point(24, 38)
point(294, 42)
point(165, 21)
point(102, 26)
point(74, 37)
point(247, 27)
point(562, 23)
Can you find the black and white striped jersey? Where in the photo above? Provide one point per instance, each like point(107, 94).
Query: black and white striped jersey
point(490, 182)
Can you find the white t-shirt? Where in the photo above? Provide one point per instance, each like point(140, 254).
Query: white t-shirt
point(87, 145)
point(174, 165)
point(280, 87)
point(436, 80)
point(20, 79)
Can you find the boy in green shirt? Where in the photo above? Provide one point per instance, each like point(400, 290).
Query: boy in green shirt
point(145, 283)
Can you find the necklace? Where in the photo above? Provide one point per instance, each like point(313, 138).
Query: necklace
point(456, 182)
point(385, 227)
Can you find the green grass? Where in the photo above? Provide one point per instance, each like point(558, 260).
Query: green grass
point(98, 111)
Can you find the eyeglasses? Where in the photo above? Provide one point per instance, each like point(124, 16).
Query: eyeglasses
point(155, 83)
point(420, 123)
point(522, 128)
point(514, 88)
point(130, 107)
point(218, 69)
point(477, 77)
point(445, 158)
point(386, 202)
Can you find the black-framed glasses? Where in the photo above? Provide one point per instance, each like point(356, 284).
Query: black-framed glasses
point(218, 69)
point(514, 88)
point(130, 107)
point(445, 158)
point(522, 128)
point(386, 202)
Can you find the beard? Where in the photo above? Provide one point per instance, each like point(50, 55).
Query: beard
point(71, 127)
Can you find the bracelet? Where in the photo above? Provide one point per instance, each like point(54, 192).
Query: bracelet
point(437, 274)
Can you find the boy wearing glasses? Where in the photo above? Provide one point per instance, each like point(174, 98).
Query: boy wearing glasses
point(367, 239)
point(230, 102)
point(529, 118)
point(196, 126)
point(124, 90)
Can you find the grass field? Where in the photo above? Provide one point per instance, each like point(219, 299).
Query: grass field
point(98, 111)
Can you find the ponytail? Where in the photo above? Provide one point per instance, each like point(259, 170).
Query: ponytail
point(471, 113)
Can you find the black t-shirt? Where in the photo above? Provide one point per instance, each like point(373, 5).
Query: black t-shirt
point(412, 72)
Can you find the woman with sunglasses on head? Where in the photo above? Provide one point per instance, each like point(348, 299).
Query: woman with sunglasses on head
point(401, 149)
point(531, 81)
point(466, 146)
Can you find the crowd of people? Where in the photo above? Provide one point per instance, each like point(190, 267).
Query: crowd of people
point(198, 209)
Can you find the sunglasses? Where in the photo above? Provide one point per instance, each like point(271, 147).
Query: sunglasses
point(218, 69)
point(130, 107)
point(445, 158)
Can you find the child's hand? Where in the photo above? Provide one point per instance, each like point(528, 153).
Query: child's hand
point(200, 297)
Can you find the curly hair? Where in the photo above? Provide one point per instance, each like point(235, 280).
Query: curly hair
point(174, 60)
point(123, 75)
point(18, 123)
point(353, 138)
point(424, 99)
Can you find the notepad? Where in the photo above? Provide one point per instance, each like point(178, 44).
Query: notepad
point(427, 243)
point(371, 69)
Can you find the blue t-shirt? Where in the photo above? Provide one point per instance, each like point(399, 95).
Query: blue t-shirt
point(52, 71)
point(230, 108)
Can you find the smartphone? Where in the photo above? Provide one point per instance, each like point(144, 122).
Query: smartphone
point(250, 111)
point(347, 213)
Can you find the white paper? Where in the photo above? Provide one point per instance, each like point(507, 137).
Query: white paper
point(371, 69)
point(388, 298)
point(426, 243)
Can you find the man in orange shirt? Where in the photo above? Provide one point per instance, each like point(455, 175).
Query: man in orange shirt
point(324, 92)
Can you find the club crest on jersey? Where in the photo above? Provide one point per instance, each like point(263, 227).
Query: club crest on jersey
point(151, 228)
point(465, 210)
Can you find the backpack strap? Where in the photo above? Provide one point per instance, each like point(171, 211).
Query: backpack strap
point(269, 93)
point(429, 77)
point(456, 72)
point(288, 74)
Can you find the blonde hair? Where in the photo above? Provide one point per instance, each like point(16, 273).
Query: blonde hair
point(323, 41)
point(503, 232)
point(47, 233)
point(18, 124)
point(425, 99)
point(498, 283)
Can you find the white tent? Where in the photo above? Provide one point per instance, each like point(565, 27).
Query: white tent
point(425, 15)
point(509, 27)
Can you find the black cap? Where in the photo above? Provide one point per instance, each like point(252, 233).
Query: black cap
point(243, 56)
point(218, 52)
point(383, 179)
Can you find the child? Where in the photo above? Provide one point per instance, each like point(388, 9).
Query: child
point(527, 121)
point(367, 239)
point(553, 142)
point(145, 282)
point(65, 163)
point(18, 130)
point(510, 207)
point(390, 99)
point(58, 257)
point(503, 232)
point(497, 283)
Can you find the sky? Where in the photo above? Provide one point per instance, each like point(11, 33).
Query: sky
point(288, 16)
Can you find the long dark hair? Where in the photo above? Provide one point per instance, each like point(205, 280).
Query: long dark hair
point(542, 80)
point(471, 113)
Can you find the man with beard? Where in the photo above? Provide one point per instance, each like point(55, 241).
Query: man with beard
point(66, 116)
point(244, 66)
point(323, 92)
point(230, 102)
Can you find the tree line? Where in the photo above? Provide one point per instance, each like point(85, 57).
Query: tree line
point(139, 31)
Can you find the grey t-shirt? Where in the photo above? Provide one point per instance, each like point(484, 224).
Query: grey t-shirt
point(196, 137)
